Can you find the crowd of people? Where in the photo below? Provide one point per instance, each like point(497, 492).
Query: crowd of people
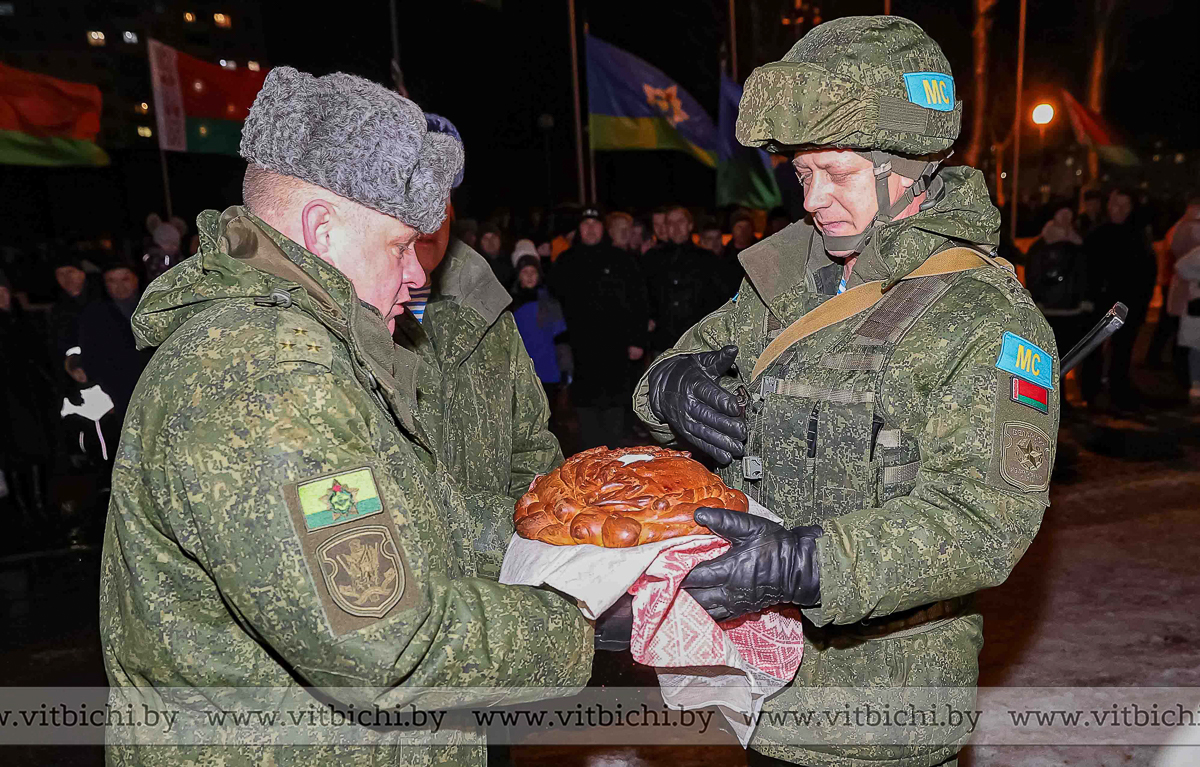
point(595, 296)
point(597, 302)
point(72, 368)
point(1083, 263)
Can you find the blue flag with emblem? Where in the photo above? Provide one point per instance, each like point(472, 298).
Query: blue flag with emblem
point(632, 105)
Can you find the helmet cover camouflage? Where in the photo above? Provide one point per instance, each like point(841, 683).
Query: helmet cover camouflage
point(859, 82)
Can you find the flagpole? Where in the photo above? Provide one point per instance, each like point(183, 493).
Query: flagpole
point(1016, 194)
point(578, 115)
point(732, 42)
point(162, 158)
point(593, 200)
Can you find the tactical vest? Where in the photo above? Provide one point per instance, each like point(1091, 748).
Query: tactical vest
point(819, 444)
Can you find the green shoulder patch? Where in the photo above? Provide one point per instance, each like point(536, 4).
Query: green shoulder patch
point(351, 547)
point(339, 498)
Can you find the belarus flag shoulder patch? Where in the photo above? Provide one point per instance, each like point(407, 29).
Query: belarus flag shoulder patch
point(1030, 395)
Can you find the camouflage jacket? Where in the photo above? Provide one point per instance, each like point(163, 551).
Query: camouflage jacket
point(274, 523)
point(898, 430)
point(478, 396)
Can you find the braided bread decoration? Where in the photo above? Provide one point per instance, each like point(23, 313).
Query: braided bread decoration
point(619, 498)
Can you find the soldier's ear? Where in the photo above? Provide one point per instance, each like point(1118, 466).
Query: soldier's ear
point(317, 222)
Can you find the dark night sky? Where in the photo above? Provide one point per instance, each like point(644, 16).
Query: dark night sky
point(494, 71)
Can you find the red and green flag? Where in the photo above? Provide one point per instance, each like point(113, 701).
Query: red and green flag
point(1030, 394)
point(1091, 130)
point(200, 106)
point(47, 121)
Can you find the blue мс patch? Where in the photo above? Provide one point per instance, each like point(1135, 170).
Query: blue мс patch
point(1026, 360)
point(932, 90)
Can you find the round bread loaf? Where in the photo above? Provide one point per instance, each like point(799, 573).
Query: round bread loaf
point(620, 498)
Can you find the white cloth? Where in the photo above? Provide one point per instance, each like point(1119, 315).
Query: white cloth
point(597, 577)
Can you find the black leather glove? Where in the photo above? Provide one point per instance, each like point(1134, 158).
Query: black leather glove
point(766, 565)
point(684, 393)
point(615, 625)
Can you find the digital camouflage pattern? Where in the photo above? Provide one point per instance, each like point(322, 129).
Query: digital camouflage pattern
point(479, 398)
point(886, 429)
point(270, 374)
point(842, 85)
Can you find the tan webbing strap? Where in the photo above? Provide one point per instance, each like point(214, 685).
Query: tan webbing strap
point(864, 296)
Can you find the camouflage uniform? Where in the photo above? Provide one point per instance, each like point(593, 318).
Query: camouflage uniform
point(270, 440)
point(478, 396)
point(897, 432)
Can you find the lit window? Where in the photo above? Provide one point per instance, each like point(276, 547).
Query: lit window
point(222, 20)
point(142, 108)
point(1157, 157)
point(252, 66)
point(1179, 158)
point(189, 17)
point(129, 37)
point(95, 38)
point(198, 86)
point(228, 64)
point(203, 130)
point(144, 131)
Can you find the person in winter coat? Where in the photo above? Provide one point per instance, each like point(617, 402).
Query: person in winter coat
point(1187, 270)
point(109, 352)
point(478, 397)
point(1181, 238)
point(541, 323)
point(603, 295)
point(282, 531)
point(166, 247)
point(26, 410)
point(1056, 275)
point(683, 280)
point(491, 247)
point(1121, 267)
point(741, 237)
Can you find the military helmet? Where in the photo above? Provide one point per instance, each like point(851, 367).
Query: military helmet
point(860, 82)
point(875, 84)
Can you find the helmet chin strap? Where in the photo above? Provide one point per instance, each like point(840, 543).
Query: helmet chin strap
point(884, 165)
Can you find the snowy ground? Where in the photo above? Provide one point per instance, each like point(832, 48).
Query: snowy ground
point(1109, 593)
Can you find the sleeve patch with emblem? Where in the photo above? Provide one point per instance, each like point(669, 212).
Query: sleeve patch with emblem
point(362, 570)
point(1025, 456)
point(338, 498)
point(352, 549)
point(1026, 360)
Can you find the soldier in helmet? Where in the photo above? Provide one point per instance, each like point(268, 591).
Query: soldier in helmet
point(893, 399)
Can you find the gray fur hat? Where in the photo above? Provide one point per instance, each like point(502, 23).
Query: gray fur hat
point(355, 138)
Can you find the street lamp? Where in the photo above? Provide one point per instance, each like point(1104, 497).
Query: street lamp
point(1042, 114)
